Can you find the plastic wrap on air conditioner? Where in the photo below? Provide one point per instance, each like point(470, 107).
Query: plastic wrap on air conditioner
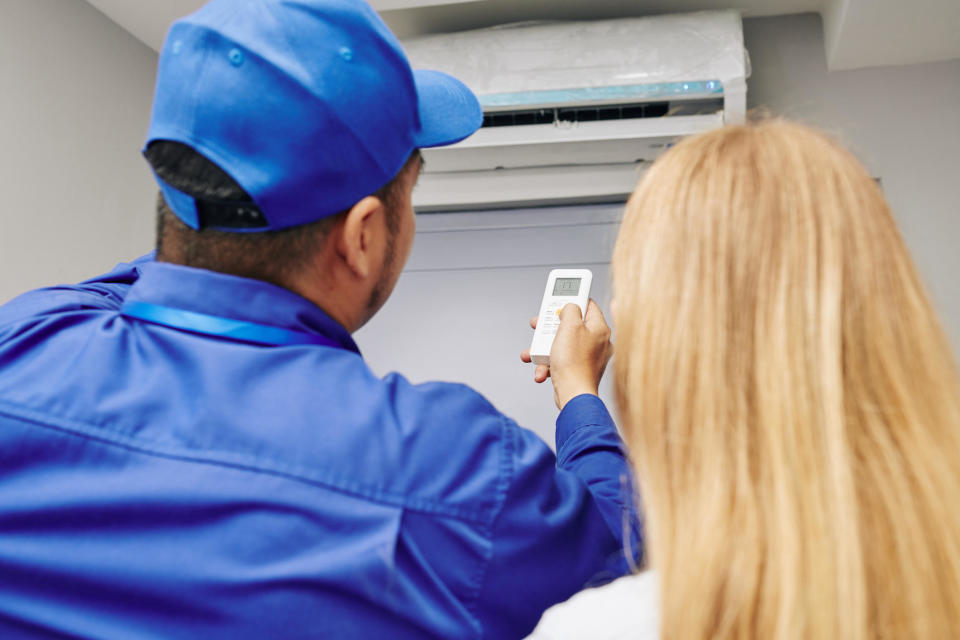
point(632, 59)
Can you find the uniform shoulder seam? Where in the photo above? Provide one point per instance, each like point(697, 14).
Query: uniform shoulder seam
point(240, 462)
point(505, 479)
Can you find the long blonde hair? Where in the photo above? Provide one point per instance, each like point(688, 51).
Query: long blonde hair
point(788, 395)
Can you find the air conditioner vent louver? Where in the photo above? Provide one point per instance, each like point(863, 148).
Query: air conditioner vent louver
point(594, 113)
point(577, 114)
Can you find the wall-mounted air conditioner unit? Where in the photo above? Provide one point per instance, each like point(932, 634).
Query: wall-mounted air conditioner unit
point(574, 111)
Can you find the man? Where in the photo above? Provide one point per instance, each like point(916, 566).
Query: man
point(191, 446)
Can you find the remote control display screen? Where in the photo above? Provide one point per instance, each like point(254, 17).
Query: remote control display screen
point(566, 287)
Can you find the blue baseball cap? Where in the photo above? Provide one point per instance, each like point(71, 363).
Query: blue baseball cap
point(310, 105)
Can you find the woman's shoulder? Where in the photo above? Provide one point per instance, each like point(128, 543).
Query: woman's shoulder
point(625, 609)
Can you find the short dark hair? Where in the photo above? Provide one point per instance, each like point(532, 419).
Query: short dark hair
point(272, 256)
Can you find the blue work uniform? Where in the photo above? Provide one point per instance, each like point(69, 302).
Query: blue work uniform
point(163, 482)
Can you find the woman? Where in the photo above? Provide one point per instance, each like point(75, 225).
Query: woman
point(789, 398)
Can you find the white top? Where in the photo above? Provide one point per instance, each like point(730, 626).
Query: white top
point(625, 609)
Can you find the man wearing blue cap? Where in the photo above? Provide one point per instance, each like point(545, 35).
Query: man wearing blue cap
point(191, 446)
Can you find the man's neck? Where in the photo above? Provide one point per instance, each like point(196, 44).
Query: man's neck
point(338, 301)
point(325, 295)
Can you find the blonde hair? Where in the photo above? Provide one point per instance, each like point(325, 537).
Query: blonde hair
point(788, 395)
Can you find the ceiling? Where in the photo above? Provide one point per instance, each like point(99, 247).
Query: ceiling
point(857, 33)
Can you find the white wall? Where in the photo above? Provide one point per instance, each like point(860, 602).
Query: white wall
point(77, 197)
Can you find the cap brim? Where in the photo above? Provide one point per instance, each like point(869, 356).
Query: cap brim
point(449, 111)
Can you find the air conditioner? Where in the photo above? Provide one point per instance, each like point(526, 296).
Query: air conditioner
point(574, 111)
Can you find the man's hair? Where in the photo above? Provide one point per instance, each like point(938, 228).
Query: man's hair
point(272, 256)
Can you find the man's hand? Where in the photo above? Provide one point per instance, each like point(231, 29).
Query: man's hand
point(580, 352)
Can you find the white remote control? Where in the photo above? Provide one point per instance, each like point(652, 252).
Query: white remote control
point(563, 287)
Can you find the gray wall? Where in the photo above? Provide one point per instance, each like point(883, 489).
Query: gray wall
point(76, 195)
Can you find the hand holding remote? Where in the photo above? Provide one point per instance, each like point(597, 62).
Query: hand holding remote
point(580, 353)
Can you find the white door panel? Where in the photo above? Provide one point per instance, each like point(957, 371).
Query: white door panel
point(460, 312)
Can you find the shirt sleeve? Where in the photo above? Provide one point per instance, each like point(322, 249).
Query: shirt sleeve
point(566, 522)
point(106, 291)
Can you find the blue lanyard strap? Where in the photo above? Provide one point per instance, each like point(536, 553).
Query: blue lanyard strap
point(221, 327)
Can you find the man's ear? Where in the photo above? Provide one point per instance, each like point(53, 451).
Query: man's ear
point(356, 240)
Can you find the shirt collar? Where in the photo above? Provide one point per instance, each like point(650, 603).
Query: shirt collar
point(227, 296)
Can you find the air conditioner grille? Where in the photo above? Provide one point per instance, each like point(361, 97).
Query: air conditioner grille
point(593, 113)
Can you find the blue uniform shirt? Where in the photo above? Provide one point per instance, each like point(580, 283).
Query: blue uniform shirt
point(159, 483)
